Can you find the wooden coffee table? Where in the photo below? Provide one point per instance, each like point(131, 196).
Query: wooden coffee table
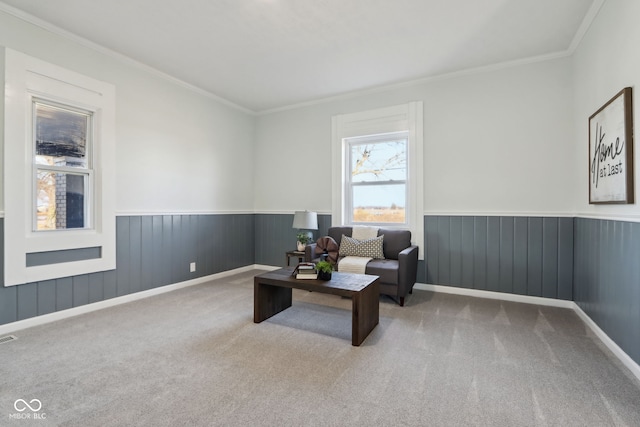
point(272, 293)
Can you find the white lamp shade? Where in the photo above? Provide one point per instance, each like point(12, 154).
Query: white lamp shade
point(305, 220)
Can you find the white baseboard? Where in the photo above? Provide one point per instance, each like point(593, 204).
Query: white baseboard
point(608, 342)
point(87, 308)
point(478, 293)
point(266, 267)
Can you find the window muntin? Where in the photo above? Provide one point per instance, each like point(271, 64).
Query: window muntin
point(376, 179)
point(62, 166)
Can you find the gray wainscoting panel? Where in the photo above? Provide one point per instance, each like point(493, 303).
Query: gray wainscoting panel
point(146, 252)
point(135, 252)
point(8, 304)
point(479, 272)
point(521, 255)
point(158, 250)
point(493, 254)
point(534, 257)
point(275, 237)
point(151, 251)
point(96, 287)
point(566, 247)
point(466, 252)
point(507, 254)
point(64, 293)
point(607, 278)
point(122, 255)
point(80, 290)
point(46, 297)
point(27, 301)
point(56, 257)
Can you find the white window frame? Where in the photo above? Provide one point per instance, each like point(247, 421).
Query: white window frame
point(349, 184)
point(405, 117)
point(27, 78)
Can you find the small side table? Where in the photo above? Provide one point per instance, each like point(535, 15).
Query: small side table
point(295, 254)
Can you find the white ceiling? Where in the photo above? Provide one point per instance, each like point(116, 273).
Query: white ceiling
point(269, 54)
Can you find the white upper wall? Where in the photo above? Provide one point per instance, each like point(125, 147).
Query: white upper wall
point(178, 151)
point(496, 142)
point(606, 61)
point(502, 141)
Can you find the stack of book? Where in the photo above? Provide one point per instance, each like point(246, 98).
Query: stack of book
point(306, 271)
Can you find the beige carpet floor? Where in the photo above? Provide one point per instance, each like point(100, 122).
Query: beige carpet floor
point(195, 357)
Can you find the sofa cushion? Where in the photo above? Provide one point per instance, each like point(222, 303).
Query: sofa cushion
point(338, 232)
point(395, 241)
point(370, 248)
point(387, 269)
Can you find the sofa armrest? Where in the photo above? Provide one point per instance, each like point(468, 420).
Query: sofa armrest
point(408, 269)
point(309, 252)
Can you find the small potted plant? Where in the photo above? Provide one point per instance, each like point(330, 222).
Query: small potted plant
point(324, 270)
point(303, 239)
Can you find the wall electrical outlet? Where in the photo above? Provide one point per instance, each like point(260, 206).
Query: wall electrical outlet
point(192, 267)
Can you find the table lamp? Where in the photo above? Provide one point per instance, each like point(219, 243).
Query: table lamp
point(304, 221)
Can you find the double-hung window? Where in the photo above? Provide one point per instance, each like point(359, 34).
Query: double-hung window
point(376, 179)
point(62, 166)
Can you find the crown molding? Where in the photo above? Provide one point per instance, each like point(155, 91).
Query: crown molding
point(419, 81)
point(575, 42)
point(47, 26)
point(585, 25)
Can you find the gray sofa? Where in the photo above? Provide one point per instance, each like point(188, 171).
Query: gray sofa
point(397, 271)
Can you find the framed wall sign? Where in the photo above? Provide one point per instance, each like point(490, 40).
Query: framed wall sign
point(611, 151)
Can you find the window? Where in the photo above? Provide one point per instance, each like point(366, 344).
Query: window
point(59, 172)
point(62, 166)
point(377, 176)
point(376, 179)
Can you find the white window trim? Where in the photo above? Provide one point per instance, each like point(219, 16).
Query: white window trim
point(27, 77)
point(405, 117)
